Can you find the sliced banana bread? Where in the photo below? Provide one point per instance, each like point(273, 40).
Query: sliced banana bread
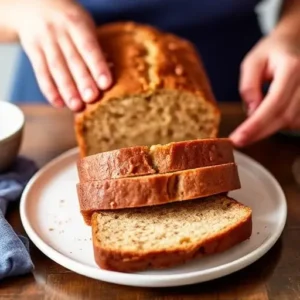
point(142, 160)
point(156, 189)
point(160, 93)
point(163, 236)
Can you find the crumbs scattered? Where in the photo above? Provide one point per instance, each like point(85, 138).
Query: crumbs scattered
point(61, 222)
point(51, 229)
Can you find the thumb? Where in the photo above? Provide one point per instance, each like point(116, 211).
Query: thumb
point(251, 79)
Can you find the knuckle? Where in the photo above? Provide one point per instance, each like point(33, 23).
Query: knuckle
point(63, 80)
point(80, 72)
point(55, 61)
point(45, 28)
point(69, 90)
point(55, 64)
point(90, 45)
point(66, 83)
point(73, 56)
point(74, 60)
point(33, 42)
point(246, 90)
point(84, 76)
point(73, 15)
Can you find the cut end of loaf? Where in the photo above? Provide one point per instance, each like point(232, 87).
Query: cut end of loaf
point(156, 237)
point(159, 118)
point(169, 226)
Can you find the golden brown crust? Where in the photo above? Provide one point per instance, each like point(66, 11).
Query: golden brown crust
point(125, 162)
point(138, 161)
point(192, 154)
point(122, 261)
point(145, 60)
point(156, 189)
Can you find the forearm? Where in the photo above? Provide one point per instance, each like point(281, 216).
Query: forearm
point(8, 15)
point(289, 19)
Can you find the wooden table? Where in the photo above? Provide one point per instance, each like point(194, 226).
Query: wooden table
point(49, 132)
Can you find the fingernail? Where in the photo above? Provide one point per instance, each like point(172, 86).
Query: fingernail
point(88, 95)
point(75, 103)
point(103, 82)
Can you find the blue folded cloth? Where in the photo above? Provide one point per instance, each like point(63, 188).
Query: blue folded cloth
point(14, 249)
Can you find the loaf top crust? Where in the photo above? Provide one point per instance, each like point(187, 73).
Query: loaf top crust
point(142, 160)
point(144, 60)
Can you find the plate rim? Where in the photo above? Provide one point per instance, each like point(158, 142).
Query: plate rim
point(150, 280)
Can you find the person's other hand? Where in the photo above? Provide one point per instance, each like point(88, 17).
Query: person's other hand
point(60, 40)
point(276, 58)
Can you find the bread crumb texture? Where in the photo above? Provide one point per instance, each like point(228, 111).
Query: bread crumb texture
point(160, 94)
point(171, 226)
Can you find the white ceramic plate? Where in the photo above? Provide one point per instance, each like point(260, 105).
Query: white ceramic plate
point(50, 215)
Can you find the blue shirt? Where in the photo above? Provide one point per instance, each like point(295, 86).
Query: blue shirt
point(223, 32)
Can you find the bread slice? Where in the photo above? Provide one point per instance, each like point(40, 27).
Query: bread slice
point(143, 160)
point(160, 92)
point(156, 189)
point(163, 236)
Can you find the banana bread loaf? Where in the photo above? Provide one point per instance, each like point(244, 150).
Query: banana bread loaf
point(161, 93)
point(156, 189)
point(142, 160)
point(158, 237)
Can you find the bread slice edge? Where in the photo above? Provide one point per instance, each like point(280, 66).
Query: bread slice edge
point(159, 159)
point(127, 261)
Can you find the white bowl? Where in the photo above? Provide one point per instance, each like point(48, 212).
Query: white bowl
point(12, 122)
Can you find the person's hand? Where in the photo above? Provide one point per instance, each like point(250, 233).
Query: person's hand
point(276, 58)
point(60, 40)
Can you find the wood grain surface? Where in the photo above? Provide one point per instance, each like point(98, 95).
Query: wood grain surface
point(49, 132)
